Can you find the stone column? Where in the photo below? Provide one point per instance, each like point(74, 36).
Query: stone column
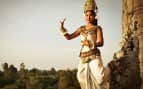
point(127, 15)
point(138, 5)
point(132, 19)
point(141, 53)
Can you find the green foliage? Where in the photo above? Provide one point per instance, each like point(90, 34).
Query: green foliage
point(67, 80)
point(11, 78)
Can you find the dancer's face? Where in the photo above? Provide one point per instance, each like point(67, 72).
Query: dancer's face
point(89, 16)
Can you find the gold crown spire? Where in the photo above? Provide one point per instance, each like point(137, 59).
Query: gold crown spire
point(90, 5)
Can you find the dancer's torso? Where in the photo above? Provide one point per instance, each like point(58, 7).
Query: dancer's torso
point(91, 36)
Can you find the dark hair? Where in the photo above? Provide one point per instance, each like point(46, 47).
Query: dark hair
point(93, 12)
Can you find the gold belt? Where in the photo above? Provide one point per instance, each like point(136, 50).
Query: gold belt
point(90, 53)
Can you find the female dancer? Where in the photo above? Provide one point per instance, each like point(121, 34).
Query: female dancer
point(91, 72)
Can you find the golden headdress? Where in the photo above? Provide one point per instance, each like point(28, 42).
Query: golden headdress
point(90, 5)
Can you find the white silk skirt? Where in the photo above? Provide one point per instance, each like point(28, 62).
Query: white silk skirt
point(91, 75)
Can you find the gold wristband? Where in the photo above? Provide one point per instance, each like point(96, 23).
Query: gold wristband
point(64, 33)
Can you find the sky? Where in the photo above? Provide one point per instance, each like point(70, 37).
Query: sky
point(29, 32)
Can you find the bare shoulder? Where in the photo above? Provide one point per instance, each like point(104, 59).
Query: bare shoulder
point(99, 27)
point(81, 28)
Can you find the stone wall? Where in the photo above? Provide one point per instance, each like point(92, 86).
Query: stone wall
point(128, 74)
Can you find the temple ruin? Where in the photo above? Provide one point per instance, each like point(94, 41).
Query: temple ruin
point(130, 56)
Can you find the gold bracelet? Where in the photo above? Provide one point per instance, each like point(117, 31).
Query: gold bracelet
point(64, 33)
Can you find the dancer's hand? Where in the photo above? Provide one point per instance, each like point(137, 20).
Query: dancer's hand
point(62, 23)
point(62, 29)
point(85, 43)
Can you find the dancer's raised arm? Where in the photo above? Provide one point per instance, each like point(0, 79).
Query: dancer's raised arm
point(66, 34)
